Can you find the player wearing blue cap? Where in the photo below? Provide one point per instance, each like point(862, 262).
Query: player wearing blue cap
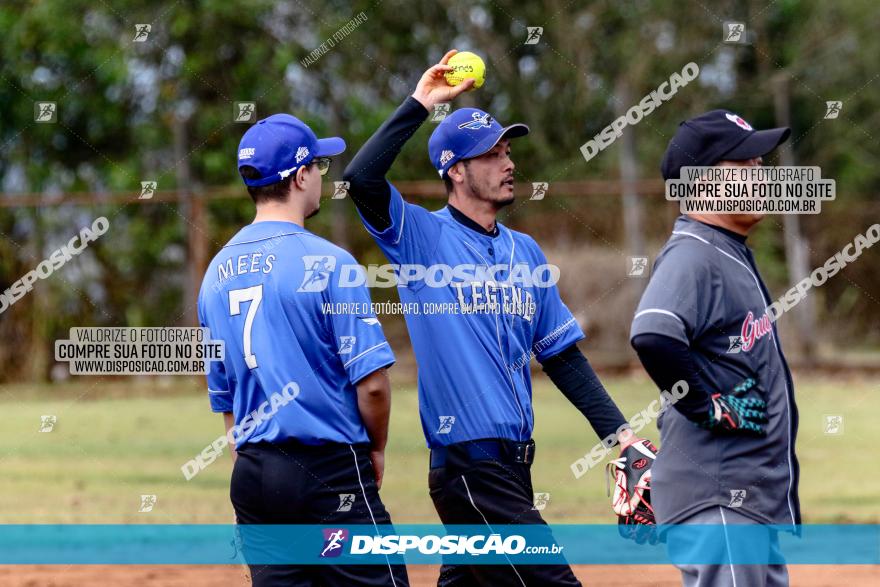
point(727, 449)
point(475, 393)
point(304, 394)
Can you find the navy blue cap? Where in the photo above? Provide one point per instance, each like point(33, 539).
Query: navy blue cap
point(279, 145)
point(467, 133)
point(719, 135)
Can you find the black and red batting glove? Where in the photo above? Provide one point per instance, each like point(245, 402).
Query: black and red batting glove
point(631, 500)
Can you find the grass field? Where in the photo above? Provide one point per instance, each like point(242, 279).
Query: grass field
point(116, 440)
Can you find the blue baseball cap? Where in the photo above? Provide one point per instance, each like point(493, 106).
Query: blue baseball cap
point(465, 134)
point(718, 135)
point(279, 145)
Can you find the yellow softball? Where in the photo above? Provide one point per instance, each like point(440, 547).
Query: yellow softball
point(466, 65)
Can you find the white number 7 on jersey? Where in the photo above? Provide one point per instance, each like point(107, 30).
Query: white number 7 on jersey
point(236, 297)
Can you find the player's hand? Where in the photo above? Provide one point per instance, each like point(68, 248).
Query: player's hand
point(377, 457)
point(631, 500)
point(732, 413)
point(433, 89)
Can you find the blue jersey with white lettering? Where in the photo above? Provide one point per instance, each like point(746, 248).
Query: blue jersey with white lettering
point(475, 331)
point(290, 366)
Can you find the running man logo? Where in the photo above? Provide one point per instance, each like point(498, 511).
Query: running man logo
point(340, 190)
point(245, 112)
point(147, 503)
point(735, 345)
point(833, 424)
point(832, 109)
point(534, 35)
point(479, 121)
point(45, 112)
point(47, 423)
point(446, 423)
point(539, 190)
point(541, 501)
point(734, 32)
point(141, 32)
point(333, 541)
point(737, 497)
point(346, 344)
point(148, 188)
point(317, 272)
point(637, 266)
point(346, 500)
point(441, 111)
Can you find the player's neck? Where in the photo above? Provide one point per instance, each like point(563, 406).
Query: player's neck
point(725, 221)
point(483, 213)
point(272, 212)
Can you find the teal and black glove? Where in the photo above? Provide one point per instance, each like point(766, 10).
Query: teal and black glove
point(733, 413)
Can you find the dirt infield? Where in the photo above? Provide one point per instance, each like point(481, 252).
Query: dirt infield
point(420, 576)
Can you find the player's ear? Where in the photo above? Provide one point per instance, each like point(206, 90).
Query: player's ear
point(456, 172)
point(301, 179)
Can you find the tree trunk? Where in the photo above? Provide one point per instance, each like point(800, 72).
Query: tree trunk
point(796, 249)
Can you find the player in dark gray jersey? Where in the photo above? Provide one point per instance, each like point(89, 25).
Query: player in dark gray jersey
point(727, 449)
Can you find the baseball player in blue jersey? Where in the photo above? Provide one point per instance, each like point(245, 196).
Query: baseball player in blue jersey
point(727, 449)
point(304, 393)
point(502, 308)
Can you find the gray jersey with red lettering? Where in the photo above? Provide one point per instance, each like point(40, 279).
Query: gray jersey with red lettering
point(706, 292)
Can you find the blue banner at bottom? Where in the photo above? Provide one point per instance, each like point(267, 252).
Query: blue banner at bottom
point(435, 544)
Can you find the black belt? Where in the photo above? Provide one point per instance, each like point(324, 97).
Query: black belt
point(489, 449)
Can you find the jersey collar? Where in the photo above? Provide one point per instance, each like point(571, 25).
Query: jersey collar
point(708, 229)
point(462, 219)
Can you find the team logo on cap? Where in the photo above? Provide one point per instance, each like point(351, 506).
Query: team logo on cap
point(738, 121)
point(246, 153)
point(302, 153)
point(479, 121)
point(446, 156)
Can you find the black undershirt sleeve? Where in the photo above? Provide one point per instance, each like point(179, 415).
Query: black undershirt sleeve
point(570, 371)
point(366, 172)
point(668, 361)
